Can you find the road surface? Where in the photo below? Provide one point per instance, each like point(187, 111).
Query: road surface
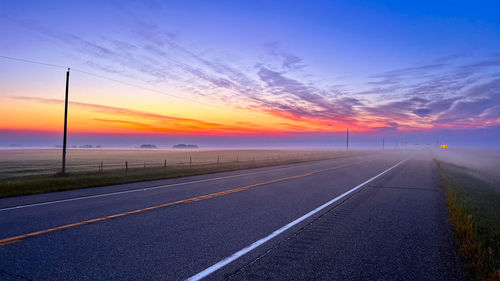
point(374, 217)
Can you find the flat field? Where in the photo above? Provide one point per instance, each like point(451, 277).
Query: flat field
point(472, 183)
point(28, 162)
point(479, 163)
point(25, 172)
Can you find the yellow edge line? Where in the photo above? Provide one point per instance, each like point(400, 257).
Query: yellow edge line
point(14, 239)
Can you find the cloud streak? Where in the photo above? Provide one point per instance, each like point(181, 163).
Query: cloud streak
point(151, 121)
point(443, 93)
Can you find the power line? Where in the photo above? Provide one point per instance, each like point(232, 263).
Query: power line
point(119, 82)
point(113, 80)
point(127, 84)
point(144, 88)
point(34, 62)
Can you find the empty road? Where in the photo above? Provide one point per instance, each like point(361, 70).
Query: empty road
point(380, 216)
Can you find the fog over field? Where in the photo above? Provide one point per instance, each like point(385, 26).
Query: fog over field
point(486, 138)
point(26, 162)
point(483, 163)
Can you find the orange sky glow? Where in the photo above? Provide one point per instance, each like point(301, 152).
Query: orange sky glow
point(41, 114)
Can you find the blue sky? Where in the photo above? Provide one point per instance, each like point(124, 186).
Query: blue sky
point(379, 67)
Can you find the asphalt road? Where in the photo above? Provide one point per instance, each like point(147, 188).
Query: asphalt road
point(379, 218)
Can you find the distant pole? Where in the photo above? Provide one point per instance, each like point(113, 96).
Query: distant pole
point(383, 143)
point(218, 159)
point(347, 139)
point(126, 165)
point(165, 163)
point(63, 170)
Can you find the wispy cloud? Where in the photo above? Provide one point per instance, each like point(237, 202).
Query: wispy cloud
point(288, 60)
point(447, 90)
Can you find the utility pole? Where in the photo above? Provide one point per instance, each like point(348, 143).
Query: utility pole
point(65, 125)
point(347, 139)
point(383, 143)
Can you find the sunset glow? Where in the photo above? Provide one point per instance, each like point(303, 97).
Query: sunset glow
point(174, 69)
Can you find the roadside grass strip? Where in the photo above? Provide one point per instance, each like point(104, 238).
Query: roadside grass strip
point(474, 211)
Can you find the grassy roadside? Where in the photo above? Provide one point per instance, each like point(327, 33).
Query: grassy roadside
point(51, 183)
point(474, 210)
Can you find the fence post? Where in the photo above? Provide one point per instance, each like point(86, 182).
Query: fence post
point(190, 160)
point(126, 165)
point(165, 163)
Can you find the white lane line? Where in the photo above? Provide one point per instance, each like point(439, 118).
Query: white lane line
point(150, 188)
point(261, 241)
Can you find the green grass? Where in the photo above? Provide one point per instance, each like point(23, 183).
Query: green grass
point(474, 210)
point(50, 183)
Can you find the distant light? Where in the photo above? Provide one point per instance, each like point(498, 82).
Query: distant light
point(444, 146)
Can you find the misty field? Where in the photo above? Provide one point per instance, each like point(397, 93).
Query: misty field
point(35, 171)
point(30, 162)
point(472, 183)
point(481, 163)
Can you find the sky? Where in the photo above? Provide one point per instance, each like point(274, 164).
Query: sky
point(250, 73)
